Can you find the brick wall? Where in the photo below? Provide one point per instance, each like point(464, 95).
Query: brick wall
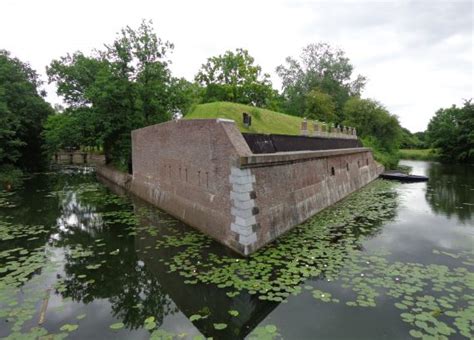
point(203, 173)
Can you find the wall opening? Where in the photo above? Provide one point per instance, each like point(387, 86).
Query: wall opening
point(367, 161)
point(347, 166)
point(333, 172)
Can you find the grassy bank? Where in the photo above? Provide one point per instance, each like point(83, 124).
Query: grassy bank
point(419, 154)
point(263, 121)
point(266, 121)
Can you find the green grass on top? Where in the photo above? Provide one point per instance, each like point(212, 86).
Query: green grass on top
point(263, 121)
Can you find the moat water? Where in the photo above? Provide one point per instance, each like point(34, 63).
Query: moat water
point(78, 259)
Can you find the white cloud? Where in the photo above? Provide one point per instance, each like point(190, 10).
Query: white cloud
point(416, 54)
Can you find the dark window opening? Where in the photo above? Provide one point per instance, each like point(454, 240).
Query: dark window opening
point(347, 166)
point(333, 172)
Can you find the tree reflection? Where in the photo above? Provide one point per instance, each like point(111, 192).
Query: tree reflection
point(450, 190)
point(121, 279)
point(133, 276)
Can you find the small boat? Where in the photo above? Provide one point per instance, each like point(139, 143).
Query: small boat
point(399, 176)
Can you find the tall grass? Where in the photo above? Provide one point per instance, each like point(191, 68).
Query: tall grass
point(419, 154)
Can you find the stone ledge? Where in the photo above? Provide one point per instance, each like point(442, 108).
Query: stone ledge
point(271, 159)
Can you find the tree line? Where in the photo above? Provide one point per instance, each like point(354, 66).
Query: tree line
point(128, 84)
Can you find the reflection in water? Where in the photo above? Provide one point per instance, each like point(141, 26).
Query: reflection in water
point(122, 264)
point(450, 190)
point(205, 300)
point(110, 260)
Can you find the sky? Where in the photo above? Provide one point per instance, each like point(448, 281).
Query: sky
point(417, 55)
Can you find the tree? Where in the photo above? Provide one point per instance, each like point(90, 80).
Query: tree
point(320, 68)
point(73, 128)
point(411, 140)
point(320, 106)
point(126, 86)
point(451, 130)
point(22, 112)
point(372, 119)
point(234, 77)
point(376, 127)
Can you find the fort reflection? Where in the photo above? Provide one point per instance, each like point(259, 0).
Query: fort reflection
point(133, 277)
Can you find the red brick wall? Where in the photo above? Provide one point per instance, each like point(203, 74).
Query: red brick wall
point(203, 173)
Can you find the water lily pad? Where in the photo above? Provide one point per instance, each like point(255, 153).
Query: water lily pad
point(234, 313)
point(220, 326)
point(69, 327)
point(117, 326)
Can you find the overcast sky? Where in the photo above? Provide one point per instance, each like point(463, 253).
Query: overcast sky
point(417, 55)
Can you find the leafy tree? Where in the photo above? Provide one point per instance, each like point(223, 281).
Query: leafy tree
point(451, 130)
point(376, 127)
point(126, 86)
point(73, 128)
point(22, 111)
point(320, 68)
point(411, 140)
point(234, 77)
point(320, 106)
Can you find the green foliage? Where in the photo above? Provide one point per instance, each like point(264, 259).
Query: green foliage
point(320, 106)
point(419, 154)
point(126, 86)
point(412, 140)
point(234, 77)
point(376, 127)
point(73, 128)
point(451, 131)
point(372, 119)
point(320, 68)
point(22, 111)
point(388, 158)
point(263, 121)
point(10, 177)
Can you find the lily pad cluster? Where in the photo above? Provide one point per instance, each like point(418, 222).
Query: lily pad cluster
point(319, 247)
point(435, 300)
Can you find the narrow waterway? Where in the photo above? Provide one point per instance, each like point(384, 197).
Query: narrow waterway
point(78, 259)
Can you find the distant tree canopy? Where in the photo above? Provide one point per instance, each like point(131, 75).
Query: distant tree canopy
point(73, 128)
point(323, 69)
point(412, 140)
point(126, 86)
point(451, 131)
point(234, 77)
point(22, 112)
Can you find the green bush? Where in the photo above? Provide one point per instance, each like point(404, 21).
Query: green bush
point(388, 158)
point(10, 177)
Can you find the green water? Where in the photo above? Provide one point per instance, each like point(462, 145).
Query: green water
point(393, 261)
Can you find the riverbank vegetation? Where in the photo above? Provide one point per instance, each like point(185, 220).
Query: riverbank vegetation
point(419, 154)
point(22, 113)
point(451, 131)
point(448, 138)
point(128, 84)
